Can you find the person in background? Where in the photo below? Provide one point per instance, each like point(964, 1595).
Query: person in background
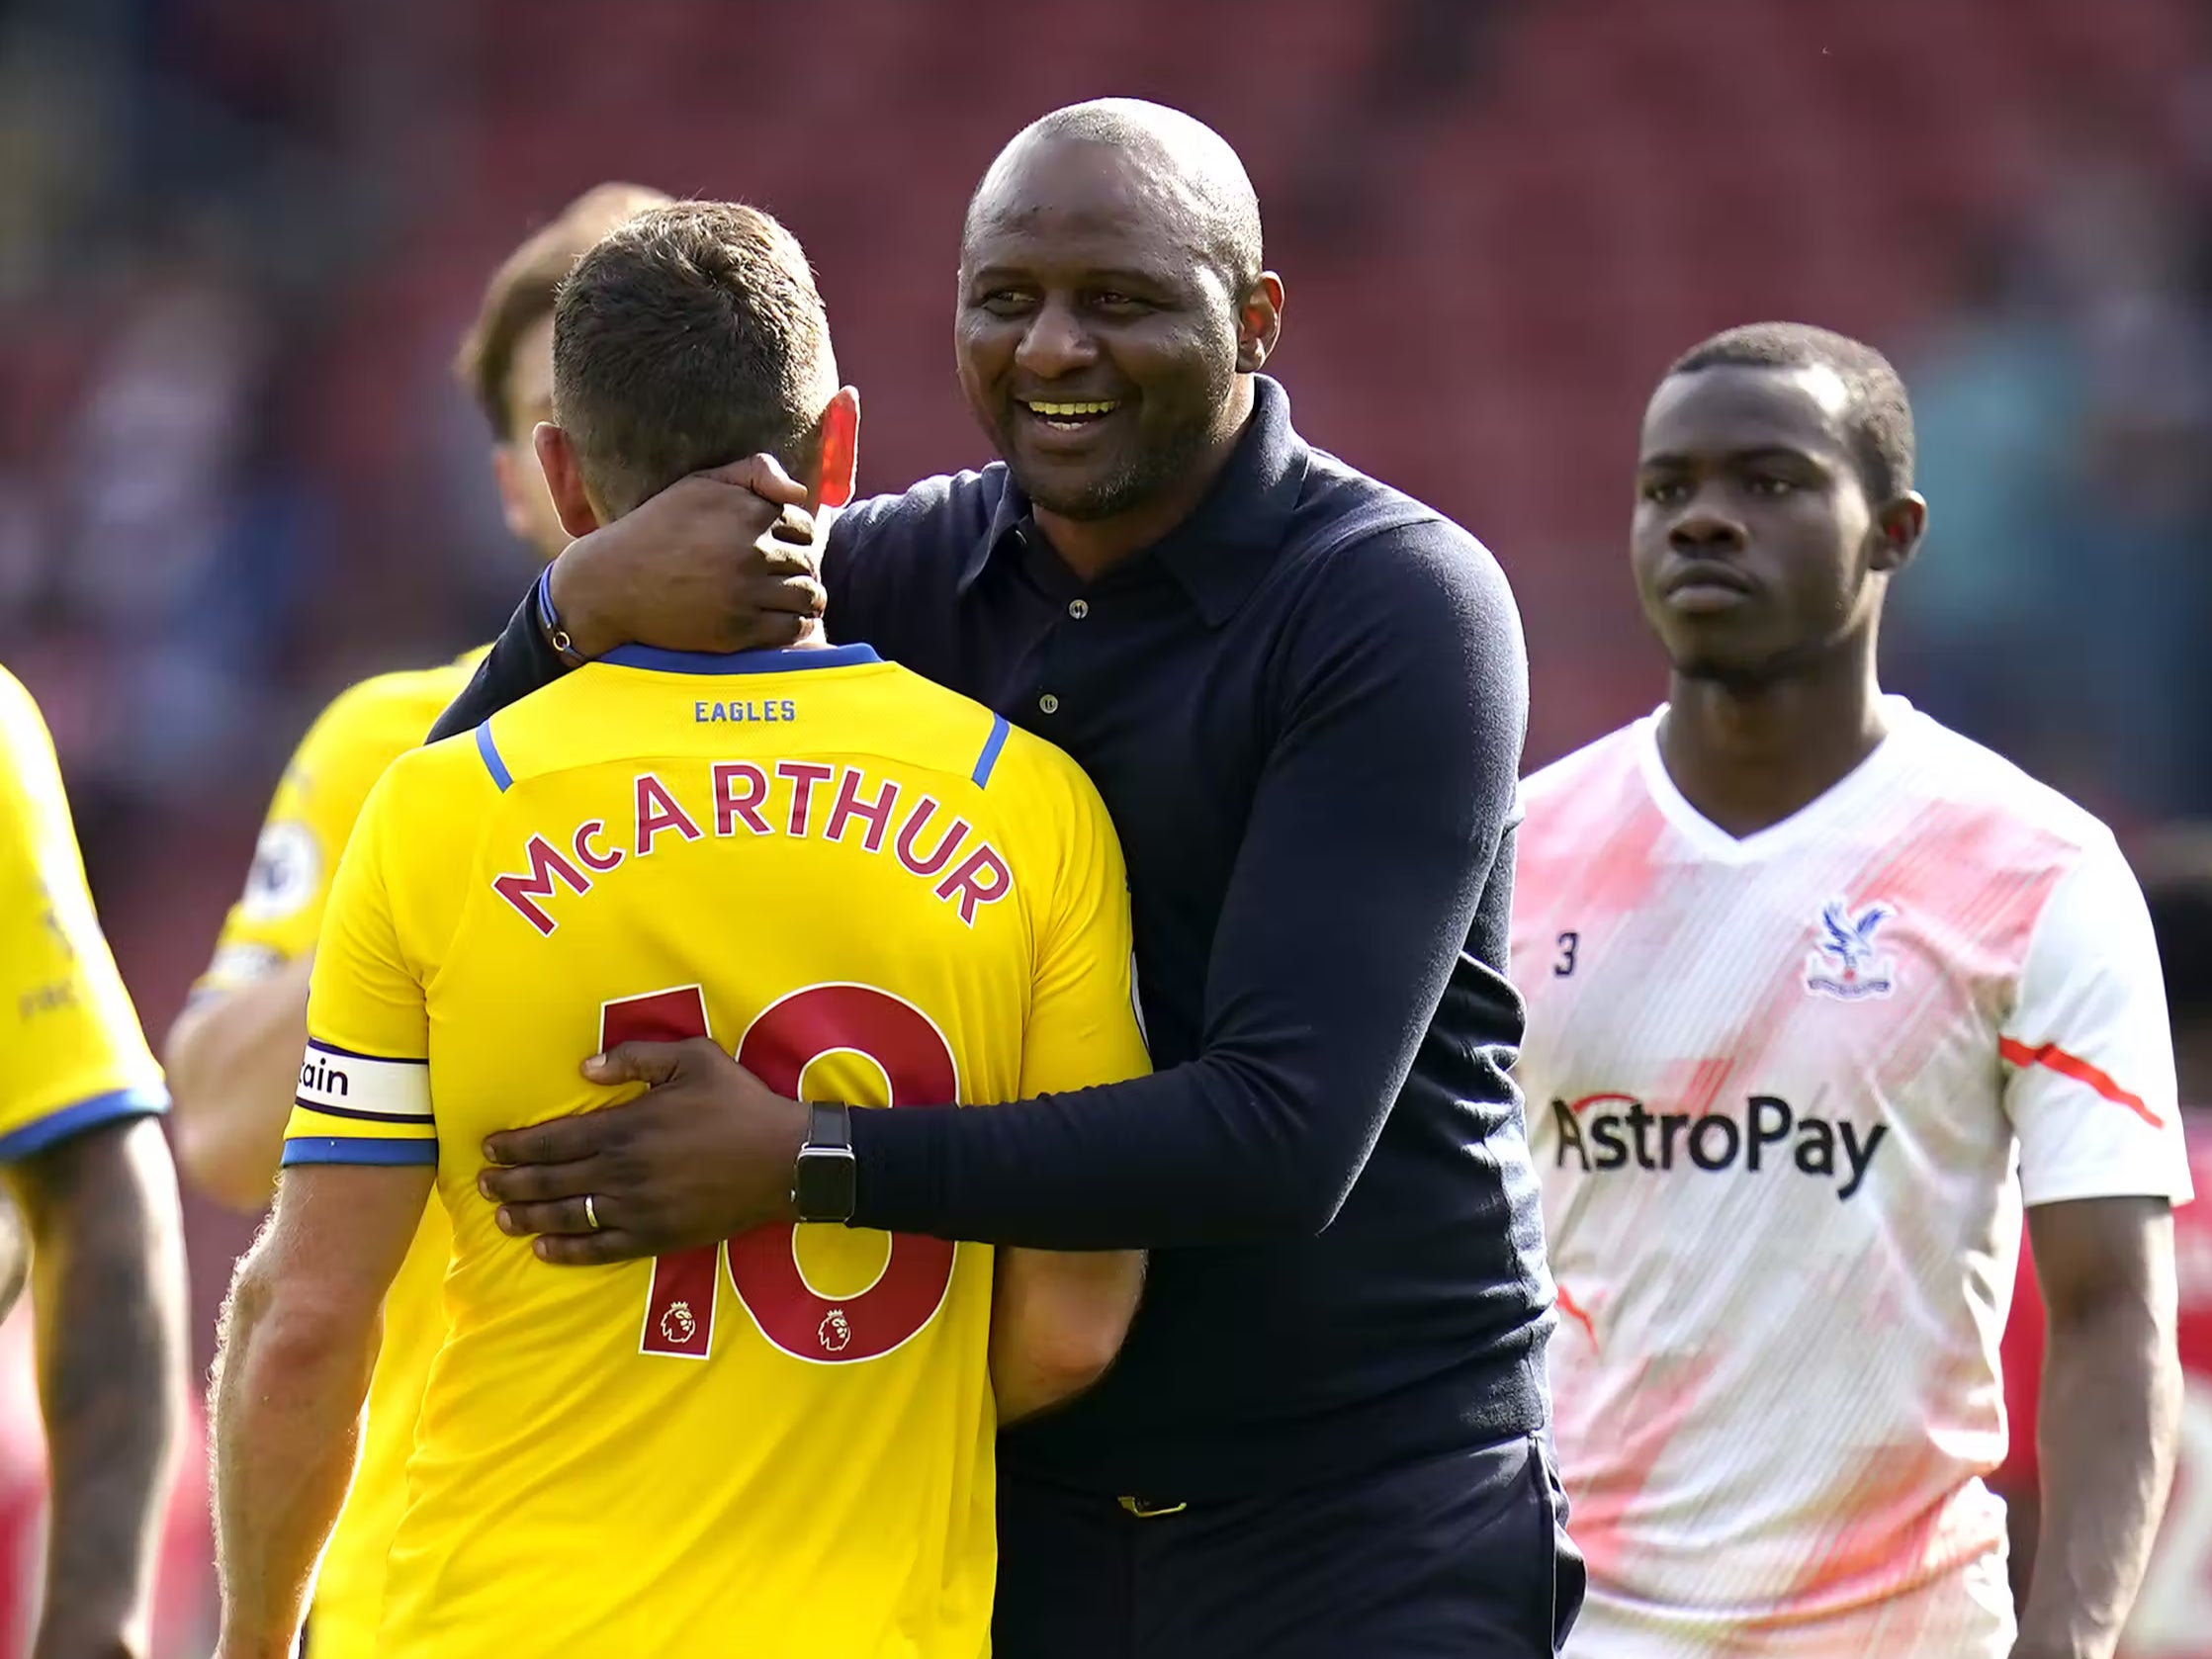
point(782, 1446)
point(83, 1160)
point(233, 1053)
point(1809, 976)
point(2173, 1617)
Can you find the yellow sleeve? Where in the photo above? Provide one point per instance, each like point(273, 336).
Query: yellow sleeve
point(365, 1081)
point(1084, 1025)
point(347, 749)
point(76, 1054)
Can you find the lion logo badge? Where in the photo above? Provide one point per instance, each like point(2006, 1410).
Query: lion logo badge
point(836, 1331)
point(677, 1323)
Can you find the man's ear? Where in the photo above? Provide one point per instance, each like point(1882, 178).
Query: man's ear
point(1898, 531)
point(1259, 324)
point(840, 450)
point(564, 480)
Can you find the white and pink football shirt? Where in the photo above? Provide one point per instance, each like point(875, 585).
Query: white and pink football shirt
point(1779, 1088)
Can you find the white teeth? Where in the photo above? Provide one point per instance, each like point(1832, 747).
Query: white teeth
point(1061, 411)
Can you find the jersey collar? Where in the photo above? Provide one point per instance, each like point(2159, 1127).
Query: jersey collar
point(1813, 819)
point(740, 662)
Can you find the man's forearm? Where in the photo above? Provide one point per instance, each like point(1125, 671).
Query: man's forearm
point(2109, 1414)
point(521, 661)
point(234, 1065)
point(1057, 1320)
point(1200, 1154)
point(109, 1287)
point(286, 1403)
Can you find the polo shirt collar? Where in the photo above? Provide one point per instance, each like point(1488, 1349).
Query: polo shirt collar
point(1220, 553)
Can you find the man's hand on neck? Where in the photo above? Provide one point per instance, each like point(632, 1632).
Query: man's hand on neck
point(722, 561)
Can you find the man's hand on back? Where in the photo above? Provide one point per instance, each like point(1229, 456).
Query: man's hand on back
point(720, 561)
point(705, 1154)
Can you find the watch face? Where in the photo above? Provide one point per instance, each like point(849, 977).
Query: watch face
point(822, 1189)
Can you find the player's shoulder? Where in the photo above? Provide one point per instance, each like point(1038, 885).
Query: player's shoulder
point(1995, 803)
point(457, 767)
point(387, 713)
point(16, 701)
point(1031, 769)
point(31, 802)
point(22, 727)
point(1595, 776)
point(1021, 777)
point(953, 733)
point(428, 809)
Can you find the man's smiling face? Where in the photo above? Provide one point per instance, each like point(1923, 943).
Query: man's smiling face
point(1097, 334)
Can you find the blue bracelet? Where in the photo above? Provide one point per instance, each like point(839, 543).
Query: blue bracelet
point(548, 624)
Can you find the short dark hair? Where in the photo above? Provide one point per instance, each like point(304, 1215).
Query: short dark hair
point(1880, 414)
point(521, 292)
point(688, 337)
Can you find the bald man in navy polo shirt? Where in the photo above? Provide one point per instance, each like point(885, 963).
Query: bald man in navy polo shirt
point(1303, 696)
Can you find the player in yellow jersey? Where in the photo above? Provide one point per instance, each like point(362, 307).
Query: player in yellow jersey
point(234, 1052)
point(85, 1163)
point(868, 887)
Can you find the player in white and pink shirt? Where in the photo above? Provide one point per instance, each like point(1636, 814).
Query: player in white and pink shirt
point(1820, 992)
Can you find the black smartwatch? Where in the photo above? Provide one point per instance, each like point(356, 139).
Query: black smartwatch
point(822, 1182)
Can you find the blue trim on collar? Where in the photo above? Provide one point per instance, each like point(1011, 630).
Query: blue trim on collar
point(990, 757)
point(740, 662)
point(492, 761)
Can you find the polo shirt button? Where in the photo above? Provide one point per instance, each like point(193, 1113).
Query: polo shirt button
point(1079, 608)
point(1049, 703)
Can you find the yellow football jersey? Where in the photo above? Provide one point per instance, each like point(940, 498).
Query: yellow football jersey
point(76, 1054)
point(311, 818)
point(362, 731)
point(870, 889)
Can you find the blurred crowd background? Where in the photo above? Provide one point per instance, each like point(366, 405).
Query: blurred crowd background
point(239, 239)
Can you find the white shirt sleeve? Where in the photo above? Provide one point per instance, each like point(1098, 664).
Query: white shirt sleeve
point(2088, 1055)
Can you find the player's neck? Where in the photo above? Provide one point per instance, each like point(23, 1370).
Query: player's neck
point(1748, 756)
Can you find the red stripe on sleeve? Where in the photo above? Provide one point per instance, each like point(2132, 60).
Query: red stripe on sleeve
point(2080, 1071)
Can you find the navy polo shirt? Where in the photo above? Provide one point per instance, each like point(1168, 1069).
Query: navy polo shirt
point(1304, 710)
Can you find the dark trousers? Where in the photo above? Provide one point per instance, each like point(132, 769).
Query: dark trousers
point(1463, 1557)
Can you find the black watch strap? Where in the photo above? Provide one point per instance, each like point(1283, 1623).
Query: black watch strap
point(829, 1125)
